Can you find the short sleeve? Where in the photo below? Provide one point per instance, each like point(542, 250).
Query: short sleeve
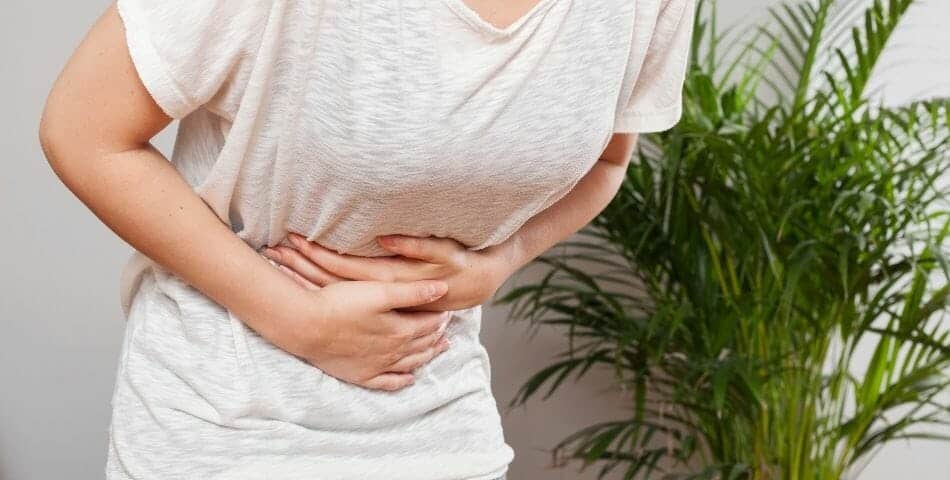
point(652, 93)
point(187, 51)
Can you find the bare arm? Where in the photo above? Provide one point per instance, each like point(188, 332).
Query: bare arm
point(95, 133)
point(573, 211)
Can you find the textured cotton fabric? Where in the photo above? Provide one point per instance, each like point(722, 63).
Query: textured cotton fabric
point(342, 121)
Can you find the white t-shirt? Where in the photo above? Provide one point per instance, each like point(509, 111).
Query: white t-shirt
point(344, 120)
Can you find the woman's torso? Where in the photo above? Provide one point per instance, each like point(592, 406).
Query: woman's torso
point(368, 118)
point(413, 117)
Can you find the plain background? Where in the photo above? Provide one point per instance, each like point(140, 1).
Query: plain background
point(61, 324)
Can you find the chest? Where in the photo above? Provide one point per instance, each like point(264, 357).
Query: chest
point(500, 14)
point(401, 96)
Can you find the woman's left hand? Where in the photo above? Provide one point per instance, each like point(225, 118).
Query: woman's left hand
point(473, 275)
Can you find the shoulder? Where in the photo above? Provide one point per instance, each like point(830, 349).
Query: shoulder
point(186, 51)
point(197, 15)
point(644, 19)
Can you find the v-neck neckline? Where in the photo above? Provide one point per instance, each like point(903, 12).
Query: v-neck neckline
point(475, 19)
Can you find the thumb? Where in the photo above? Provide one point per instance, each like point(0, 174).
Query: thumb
point(410, 294)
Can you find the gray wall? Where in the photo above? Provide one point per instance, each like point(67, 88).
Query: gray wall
point(60, 322)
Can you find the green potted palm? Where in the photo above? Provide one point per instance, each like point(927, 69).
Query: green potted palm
point(771, 281)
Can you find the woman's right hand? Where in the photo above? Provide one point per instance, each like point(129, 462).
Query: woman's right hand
point(353, 331)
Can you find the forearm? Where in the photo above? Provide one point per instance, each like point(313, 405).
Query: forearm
point(140, 196)
point(572, 212)
point(95, 131)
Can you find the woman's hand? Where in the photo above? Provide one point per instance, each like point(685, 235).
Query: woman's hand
point(354, 332)
point(473, 276)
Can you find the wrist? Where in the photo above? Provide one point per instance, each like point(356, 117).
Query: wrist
point(304, 327)
point(285, 313)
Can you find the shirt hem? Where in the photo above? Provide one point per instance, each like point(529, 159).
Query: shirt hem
point(437, 467)
point(149, 66)
point(661, 120)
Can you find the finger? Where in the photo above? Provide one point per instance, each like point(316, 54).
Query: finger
point(431, 249)
point(297, 278)
point(347, 266)
point(410, 294)
point(390, 381)
point(420, 324)
point(420, 344)
point(416, 360)
point(292, 274)
point(296, 261)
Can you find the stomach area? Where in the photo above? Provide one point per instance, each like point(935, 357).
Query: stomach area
point(199, 357)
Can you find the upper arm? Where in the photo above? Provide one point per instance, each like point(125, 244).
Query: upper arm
point(98, 102)
point(146, 62)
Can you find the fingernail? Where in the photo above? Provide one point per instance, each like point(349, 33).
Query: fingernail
point(271, 253)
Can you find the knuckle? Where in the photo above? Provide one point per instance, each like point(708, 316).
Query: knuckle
point(390, 358)
point(439, 324)
point(393, 326)
point(408, 328)
point(426, 328)
point(426, 346)
point(416, 349)
point(388, 326)
point(405, 333)
point(396, 366)
point(429, 330)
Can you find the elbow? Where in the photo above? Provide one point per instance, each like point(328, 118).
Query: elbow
point(61, 136)
point(46, 142)
point(620, 149)
point(620, 161)
point(63, 154)
point(54, 138)
point(48, 134)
